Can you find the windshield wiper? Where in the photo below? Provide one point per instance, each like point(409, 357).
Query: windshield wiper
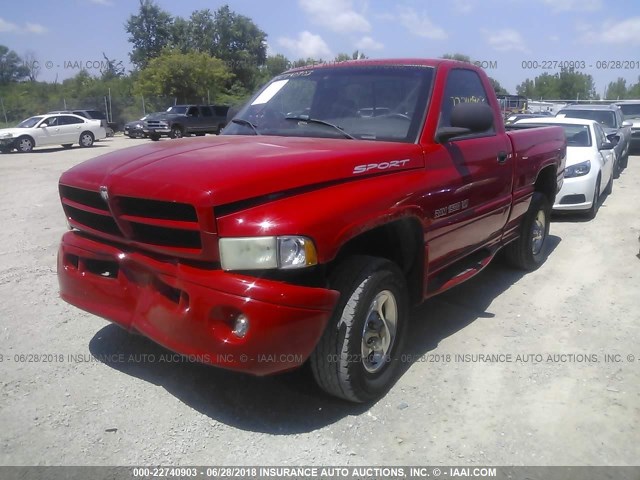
point(305, 118)
point(246, 123)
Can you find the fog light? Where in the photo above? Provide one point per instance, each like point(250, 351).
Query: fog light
point(241, 326)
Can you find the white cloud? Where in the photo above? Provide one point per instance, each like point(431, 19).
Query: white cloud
point(368, 43)
point(463, 6)
point(307, 45)
point(574, 5)
point(35, 28)
point(336, 15)
point(505, 40)
point(419, 24)
point(621, 32)
point(8, 27)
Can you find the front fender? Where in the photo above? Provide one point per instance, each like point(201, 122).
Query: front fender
point(333, 215)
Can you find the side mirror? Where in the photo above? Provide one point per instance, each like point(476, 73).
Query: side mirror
point(466, 118)
point(43, 125)
point(613, 138)
point(606, 146)
point(627, 123)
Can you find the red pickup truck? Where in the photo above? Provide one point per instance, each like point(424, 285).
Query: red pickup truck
point(336, 199)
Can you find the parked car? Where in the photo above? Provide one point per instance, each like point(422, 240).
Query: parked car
point(610, 117)
point(135, 129)
point(590, 163)
point(110, 127)
point(307, 238)
point(42, 130)
point(631, 112)
point(183, 120)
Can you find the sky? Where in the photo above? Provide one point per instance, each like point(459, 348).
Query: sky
point(508, 37)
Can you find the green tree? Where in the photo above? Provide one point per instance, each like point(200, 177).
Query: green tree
point(239, 42)
point(499, 89)
point(527, 89)
point(457, 56)
point(634, 90)
point(113, 68)
point(616, 90)
point(276, 64)
point(12, 68)
point(573, 84)
point(149, 32)
point(189, 77)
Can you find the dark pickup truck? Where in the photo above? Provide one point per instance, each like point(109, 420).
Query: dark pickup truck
point(296, 237)
point(181, 120)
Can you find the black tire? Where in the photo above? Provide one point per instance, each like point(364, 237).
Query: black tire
point(24, 144)
point(624, 161)
point(86, 139)
point(340, 365)
point(67, 145)
point(525, 253)
point(6, 149)
point(609, 188)
point(110, 132)
point(595, 206)
point(154, 136)
point(176, 132)
point(617, 167)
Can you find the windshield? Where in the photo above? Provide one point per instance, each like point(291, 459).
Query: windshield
point(29, 122)
point(361, 102)
point(631, 110)
point(177, 110)
point(603, 117)
point(577, 135)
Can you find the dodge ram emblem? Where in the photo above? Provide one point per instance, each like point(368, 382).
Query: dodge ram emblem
point(104, 193)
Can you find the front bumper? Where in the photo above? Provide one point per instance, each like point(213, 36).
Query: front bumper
point(161, 130)
point(190, 310)
point(576, 193)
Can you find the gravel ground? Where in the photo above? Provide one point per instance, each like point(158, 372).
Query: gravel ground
point(526, 408)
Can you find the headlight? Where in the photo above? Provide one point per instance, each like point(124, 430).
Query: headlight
point(260, 253)
point(138, 125)
point(577, 170)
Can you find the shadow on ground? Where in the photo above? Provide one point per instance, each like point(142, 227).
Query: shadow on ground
point(291, 403)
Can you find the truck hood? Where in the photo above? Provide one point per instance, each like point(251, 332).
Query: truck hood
point(213, 171)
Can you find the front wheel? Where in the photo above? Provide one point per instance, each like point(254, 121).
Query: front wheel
point(24, 144)
point(357, 357)
point(154, 136)
point(86, 139)
point(528, 251)
point(176, 132)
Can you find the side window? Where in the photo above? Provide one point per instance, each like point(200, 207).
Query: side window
point(206, 111)
point(52, 121)
point(221, 111)
point(193, 111)
point(463, 86)
point(69, 120)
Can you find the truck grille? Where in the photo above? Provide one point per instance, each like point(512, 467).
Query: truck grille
point(168, 227)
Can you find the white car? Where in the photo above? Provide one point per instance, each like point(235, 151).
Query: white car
point(60, 129)
point(590, 163)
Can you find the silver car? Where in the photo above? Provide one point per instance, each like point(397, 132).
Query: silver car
point(615, 126)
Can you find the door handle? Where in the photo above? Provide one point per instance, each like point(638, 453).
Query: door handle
point(502, 157)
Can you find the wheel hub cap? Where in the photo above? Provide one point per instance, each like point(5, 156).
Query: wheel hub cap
point(379, 331)
point(537, 234)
